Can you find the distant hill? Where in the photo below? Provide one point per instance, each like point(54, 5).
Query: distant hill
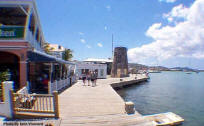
point(140, 66)
point(161, 68)
point(183, 69)
point(137, 66)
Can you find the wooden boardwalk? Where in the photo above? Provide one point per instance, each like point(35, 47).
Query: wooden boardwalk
point(101, 105)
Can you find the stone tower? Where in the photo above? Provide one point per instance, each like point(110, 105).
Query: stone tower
point(120, 63)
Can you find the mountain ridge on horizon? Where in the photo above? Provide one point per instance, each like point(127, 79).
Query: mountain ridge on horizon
point(137, 65)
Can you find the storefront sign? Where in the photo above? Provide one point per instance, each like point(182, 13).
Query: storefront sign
point(11, 32)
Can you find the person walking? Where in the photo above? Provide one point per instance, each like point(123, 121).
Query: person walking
point(92, 78)
point(95, 78)
point(84, 78)
point(89, 78)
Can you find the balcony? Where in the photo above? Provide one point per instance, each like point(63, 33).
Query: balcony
point(16, 33)
point(15, 26)
point(33, 41)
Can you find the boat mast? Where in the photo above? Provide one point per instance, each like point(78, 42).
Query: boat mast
point(112, 46)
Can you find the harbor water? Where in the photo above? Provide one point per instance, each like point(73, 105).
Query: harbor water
point(176, 92)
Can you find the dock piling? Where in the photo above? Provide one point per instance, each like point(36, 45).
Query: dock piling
point(129, 107)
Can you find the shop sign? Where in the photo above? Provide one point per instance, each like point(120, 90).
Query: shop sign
point(11, 32)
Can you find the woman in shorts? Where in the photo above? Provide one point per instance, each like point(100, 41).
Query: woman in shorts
point(84, 78)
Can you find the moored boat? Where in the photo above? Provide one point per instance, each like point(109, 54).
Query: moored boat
point(166, 119)
point(154, 71)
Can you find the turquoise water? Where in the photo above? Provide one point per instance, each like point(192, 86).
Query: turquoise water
point(176, 92)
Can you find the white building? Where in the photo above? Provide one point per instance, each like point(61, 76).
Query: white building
point(56, 50)
point(85, 67)
point(108, 62)
point(98, 60)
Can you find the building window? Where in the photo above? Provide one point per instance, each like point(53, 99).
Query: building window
point(85, 71)
point(82, 71)
point(37, 36)
point(32, 24)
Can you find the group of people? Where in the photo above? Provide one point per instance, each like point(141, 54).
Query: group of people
point(91, 77)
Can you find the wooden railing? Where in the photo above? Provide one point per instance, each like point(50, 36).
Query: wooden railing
point(36, 103)
point(58, 85)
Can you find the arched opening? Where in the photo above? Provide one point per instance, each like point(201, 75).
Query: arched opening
point(10, 62)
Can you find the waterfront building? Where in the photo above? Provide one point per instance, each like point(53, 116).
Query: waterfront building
point(56, 50)
point(85, 67)
point(21, 48)
point(108, 62)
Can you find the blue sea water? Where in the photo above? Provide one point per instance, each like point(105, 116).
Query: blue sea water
point(176, 92)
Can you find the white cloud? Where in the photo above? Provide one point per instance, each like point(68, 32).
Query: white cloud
point(167, 1)
point(99, 45)
point(81, 33)
point(83, 40)
point(185, 39)
point(105, 28)
point(108, 7)
point(178, 12)
point(88, 46)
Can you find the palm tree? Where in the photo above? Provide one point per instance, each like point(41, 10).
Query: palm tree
point(67, 54)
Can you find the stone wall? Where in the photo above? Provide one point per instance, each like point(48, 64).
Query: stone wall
point(120, 63)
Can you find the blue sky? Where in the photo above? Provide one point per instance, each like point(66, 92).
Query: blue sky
point(86, 27)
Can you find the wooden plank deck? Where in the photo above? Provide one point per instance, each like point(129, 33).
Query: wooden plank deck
point(101, 105)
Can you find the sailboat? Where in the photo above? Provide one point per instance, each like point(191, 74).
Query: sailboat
point(189, 72)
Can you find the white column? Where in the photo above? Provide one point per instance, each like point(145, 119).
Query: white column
point(5, 106)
